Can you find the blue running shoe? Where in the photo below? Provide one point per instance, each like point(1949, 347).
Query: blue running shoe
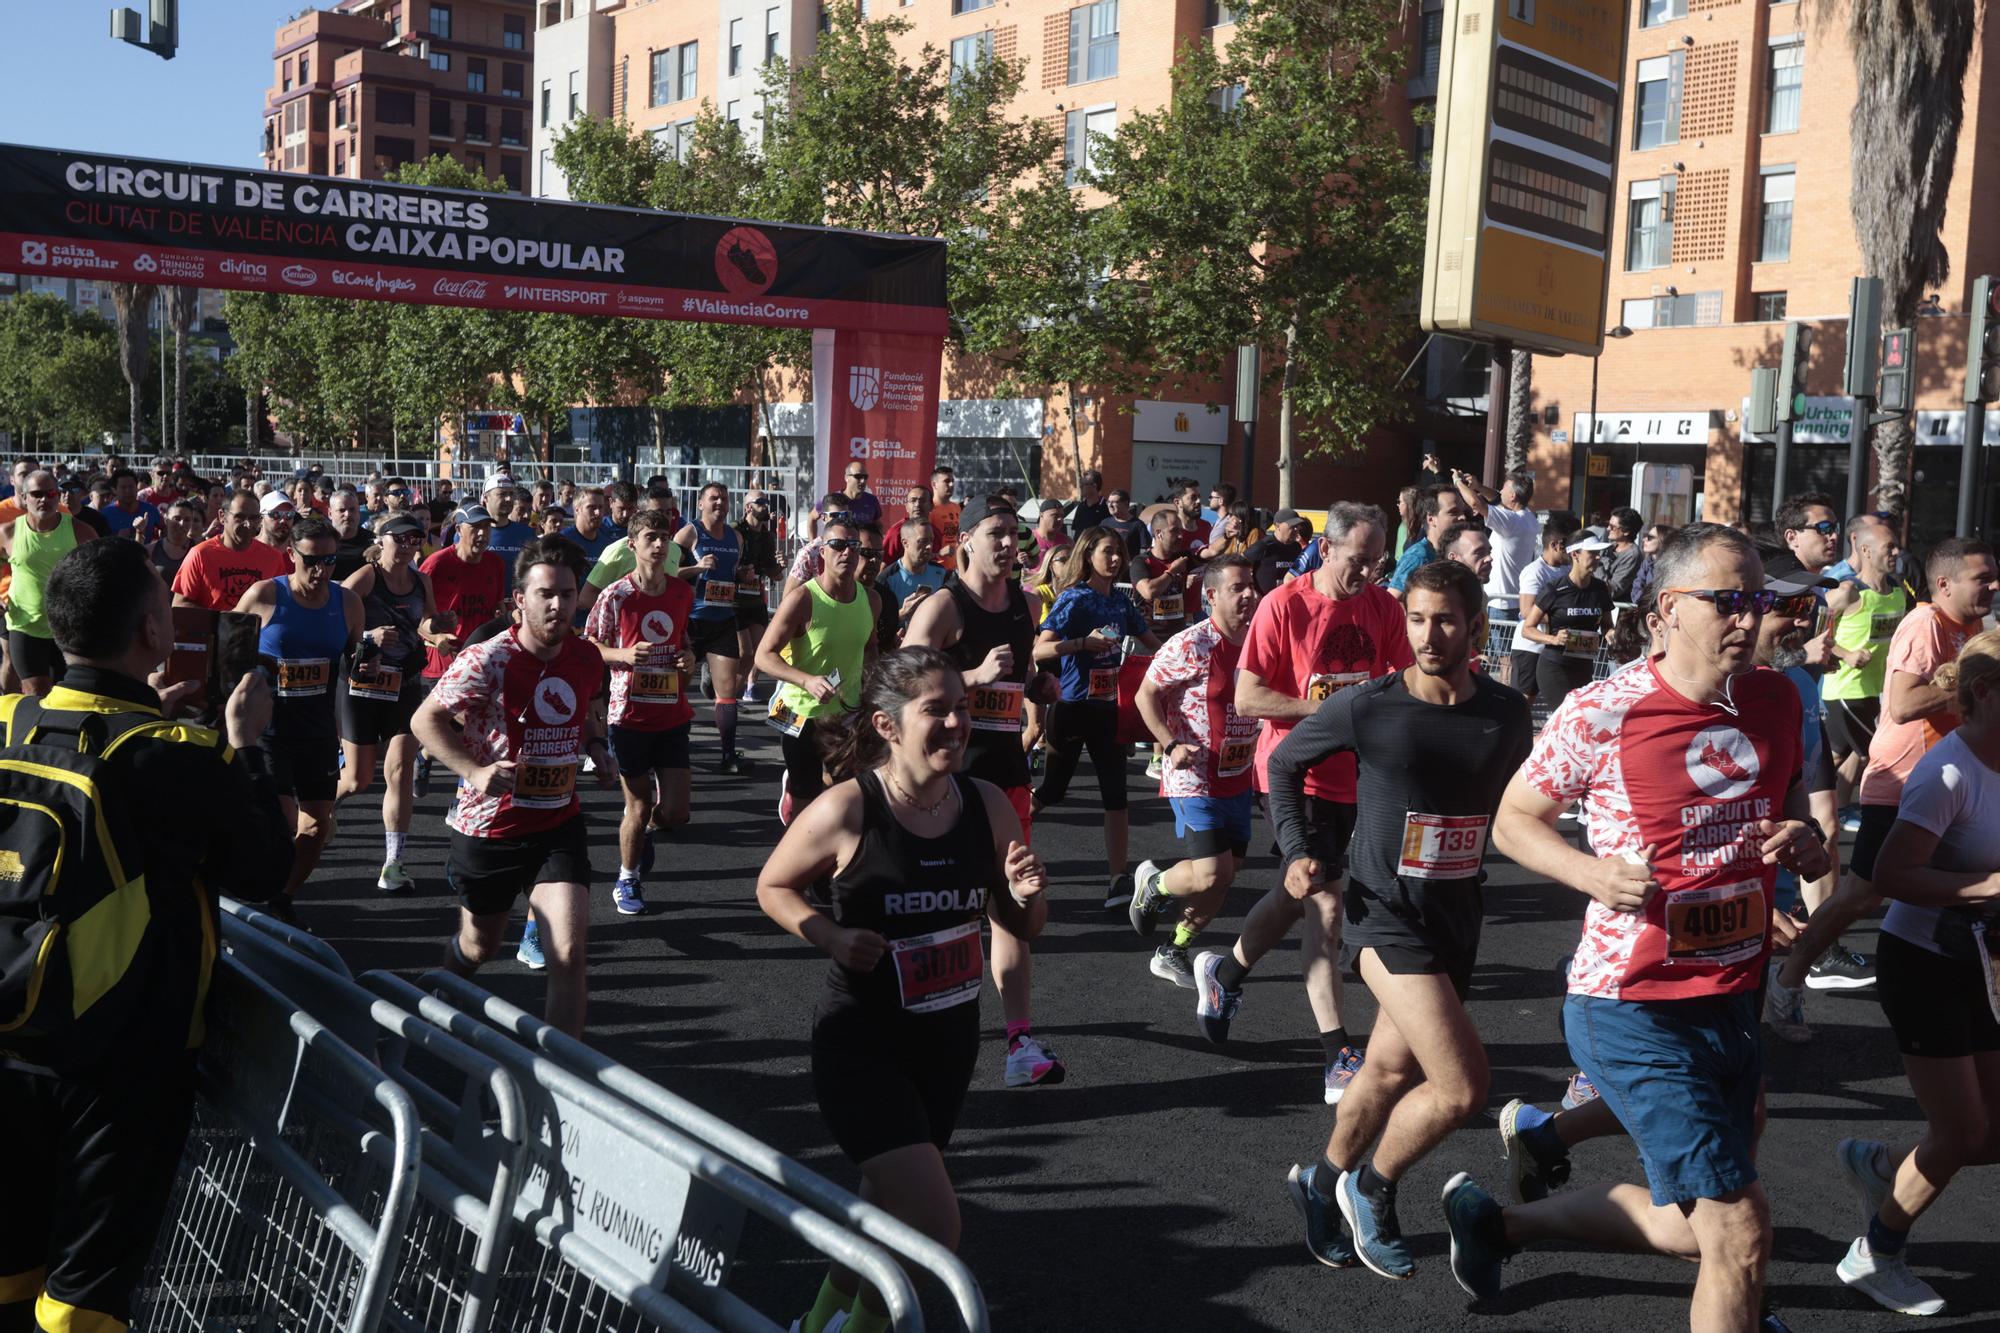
point(1378, 1237)
point(530, 953)
point(1473, 1221)
point(626, 897)
point(1340, 1073)
point(1326, 1230)
point(1579, 1091)
point(1214, 1005)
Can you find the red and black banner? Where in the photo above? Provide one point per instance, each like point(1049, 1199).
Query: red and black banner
point(121, 219)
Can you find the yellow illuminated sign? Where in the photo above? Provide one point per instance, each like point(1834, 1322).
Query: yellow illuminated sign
point(1523, 163)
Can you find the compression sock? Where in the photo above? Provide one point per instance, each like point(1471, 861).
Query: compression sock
point(725, 724)
point(393, 841)
point(1326, 1178)
point(1884, 1241)
point(860, 1319)
point(1332, 1042)
point(1373, 1187)
point(1230, 974)
point(1017, 1029)
point(831, 1301)
point(1184, 935)
point(1538, 1131)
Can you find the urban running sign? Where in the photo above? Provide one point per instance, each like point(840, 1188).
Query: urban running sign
point(121, 219)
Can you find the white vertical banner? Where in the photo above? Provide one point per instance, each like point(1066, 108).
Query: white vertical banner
point(823, 390)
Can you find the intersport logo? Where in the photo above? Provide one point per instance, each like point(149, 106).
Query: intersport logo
point(460, 289)
point(299, 275)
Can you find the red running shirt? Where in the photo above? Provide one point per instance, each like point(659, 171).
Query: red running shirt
point(1652, 767)
point(216, 577)
point(518, 707)
point(474, 591)
point(647, 698)
point(1304, 644)
point(1196, 670)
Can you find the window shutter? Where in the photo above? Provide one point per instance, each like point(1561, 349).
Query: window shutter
point(1079, 43)
point(1674, 97)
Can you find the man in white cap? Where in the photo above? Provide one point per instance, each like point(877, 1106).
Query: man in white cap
point(278, 511)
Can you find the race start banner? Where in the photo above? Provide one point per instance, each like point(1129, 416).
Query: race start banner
point(875, 402)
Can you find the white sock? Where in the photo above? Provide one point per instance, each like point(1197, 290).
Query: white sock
point(394, 840)
point(628, 872)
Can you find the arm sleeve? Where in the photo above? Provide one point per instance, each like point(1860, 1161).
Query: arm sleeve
point(1329, 731)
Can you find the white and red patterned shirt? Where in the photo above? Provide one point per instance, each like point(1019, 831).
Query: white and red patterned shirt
point(645, 698)
point(1693, 781)
point(1196, 671)
point(518, 707)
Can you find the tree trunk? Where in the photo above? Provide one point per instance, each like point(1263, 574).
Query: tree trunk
point(131, 302)
point(1520, 413)
point(182, 305)
point(250, 396)
point(1075, 439)
point(1285, 430)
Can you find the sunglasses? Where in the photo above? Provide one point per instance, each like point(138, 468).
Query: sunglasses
point(42, 495)
point(319, 561)
point(399, 491)
point(857, 476)
point(1826, 527)
point(1797, 606)
point(842, 543)
point(411, 537)
point(1732, 601)
point(840, 516)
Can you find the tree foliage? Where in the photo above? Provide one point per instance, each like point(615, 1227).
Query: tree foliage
point(60, 382)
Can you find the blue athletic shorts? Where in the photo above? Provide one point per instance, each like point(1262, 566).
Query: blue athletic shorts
point(1209, 825)
point(1682, 1077)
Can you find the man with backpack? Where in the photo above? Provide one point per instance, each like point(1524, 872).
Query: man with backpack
point(99, 1094)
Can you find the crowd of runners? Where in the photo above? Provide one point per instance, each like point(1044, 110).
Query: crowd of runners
point(1333, 704)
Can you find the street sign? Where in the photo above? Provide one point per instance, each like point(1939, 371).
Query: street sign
point(1518, 242)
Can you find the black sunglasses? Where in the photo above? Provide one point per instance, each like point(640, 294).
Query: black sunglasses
point(1732, 601)
point(842, 543)
point(321, 561)
point(1826, 527)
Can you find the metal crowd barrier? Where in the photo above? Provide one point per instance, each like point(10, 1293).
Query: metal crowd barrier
point(368, 1156)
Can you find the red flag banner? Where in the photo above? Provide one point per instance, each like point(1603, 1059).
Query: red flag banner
point(875, 401)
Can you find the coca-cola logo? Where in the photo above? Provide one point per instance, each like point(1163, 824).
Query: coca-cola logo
point(299, 275)
point(461, 289)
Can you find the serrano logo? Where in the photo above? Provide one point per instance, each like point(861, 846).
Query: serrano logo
point(1722, 762)
point(555, 701)
point(34, 252)
point(299, 275)
point(746, 262)
point(463, 289)
point(656, 627)
point(864, 387)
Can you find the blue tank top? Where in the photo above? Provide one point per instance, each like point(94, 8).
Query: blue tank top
point(715, 591)
point(308, 643)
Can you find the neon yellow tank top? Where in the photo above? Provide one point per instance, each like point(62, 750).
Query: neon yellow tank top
point(1869, 624)
point(836, 640)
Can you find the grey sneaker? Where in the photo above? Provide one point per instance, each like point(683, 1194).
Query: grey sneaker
point(1147, 901)
point(1120, 893)
point(1170, 963)
point(1887, 1280)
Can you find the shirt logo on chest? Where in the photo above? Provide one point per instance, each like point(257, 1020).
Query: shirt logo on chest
point(555, 701)
point(656, 627)
point(1722, 762)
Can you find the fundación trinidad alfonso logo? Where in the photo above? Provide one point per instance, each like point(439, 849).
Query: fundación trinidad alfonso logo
point(864, 387)
point(746, 261)
point(555, 701)
point(656, 627)
point(1722, 762)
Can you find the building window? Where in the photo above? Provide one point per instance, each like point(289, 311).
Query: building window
point(476, 164)
point(1694, 310)
point(440, 118)
point(393, 106)
point(968, 53)
point(1785, 84)
point(305, 70)
point(510, 129)
point(575, 95)
point(548, 97)
point(1227, 98)
point(396, 19)
point(1770, 307)
point(674, 73)
point(733, 113)
point(340, 112)
point(513, 80)
point(340, 159)
point(1081, 132)
point(393, 153)
point(515, 37)
point(475, 75)
point(1653, 13)
point(1218, 12)
point(1774, 232)
point(475, 124)
point(689, 53)
point(735, 47)
point(967, 6)
point(770, 35)
point(1430, 45)
point(1093, 42)
point(441, 21)
point(547, 166)
point(441, 61)
point(1657, 104)
point(510, 171)
point(1649, 239)
point(285, 76)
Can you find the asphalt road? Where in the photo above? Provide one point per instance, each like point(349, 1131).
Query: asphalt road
point(1147, 1191)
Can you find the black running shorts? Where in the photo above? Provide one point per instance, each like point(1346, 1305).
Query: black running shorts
point(377, 721)
point(307, 769)
point(34, 656)
point(639, 752)
point(488, 874)
point(890, 1079)
point(715, 637)
point(1935, 1005)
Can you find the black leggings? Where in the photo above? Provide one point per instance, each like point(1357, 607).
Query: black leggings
point(1556, 675)
point(1073, 728)
point(805, 770)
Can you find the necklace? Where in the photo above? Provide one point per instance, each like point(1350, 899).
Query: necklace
point(929, 811)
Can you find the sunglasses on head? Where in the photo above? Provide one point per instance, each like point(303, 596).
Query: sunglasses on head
point(840, 516)
point(842, 543)
point(1732, 601)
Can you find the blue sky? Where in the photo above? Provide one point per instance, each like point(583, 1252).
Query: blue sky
point(64, 83)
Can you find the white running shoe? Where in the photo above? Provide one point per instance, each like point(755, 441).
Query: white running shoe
point(1785, 1009)
point(395, 879)
point(1028, 1062)
point(1887, 1280)
point(1869, 1171)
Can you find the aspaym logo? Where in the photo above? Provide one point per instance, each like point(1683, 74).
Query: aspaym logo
point(1722, 762)
point(656, 627)
point(864, 387)
point(555, 701)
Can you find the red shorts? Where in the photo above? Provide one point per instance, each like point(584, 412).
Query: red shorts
point(1018, 798)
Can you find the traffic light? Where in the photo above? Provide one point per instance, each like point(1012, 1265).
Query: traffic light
point(1899, 354)
point(160, 33)
point(1864, 332)
point(1792, 371)
point(1763, 419)
point(1982, 349)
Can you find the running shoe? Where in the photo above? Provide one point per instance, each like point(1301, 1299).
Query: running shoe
point(1147, 901)
point(1869, 1171)
point(1887, 1280)
point(1579, 1091)
point(1028, 1062)
point(1170, 963)
point(627, 897)
point(1340, 1073)
point(1770, 1322)
point(1214, 1006)
point(1326, 1230)
point(733, 763)
point(1472, 1219)
point(1155, 769)
point(530, 953)
point(1120, 894)
point(1378, 1237)
point(395, 879)
point(1785, 1009)
point(1850, 819)
point(1528, 1178)
point(1841, 969)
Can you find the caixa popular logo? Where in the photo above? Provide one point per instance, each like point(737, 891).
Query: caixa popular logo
point(864, 387)
point(243, 268)
point(34, 252)
point(299, 275)
point(461, 289)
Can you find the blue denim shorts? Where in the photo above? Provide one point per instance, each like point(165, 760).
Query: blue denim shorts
point(1682, 1076)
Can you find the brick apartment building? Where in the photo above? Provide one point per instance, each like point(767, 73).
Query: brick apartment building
point(365, 86)
point(1732, 216)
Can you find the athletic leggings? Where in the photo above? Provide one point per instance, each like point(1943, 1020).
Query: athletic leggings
point(805, 771)
point(1073, 728)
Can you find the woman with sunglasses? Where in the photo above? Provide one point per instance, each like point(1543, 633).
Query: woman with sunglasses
point(1569, 619)
point(383, 684)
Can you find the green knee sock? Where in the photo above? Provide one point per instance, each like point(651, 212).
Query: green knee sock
point(860, 1319)
point(1184, 935)
point(832, 1300)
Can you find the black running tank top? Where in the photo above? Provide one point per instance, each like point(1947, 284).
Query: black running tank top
point(999, 711)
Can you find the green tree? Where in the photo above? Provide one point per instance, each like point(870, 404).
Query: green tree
point(60, 383)
point(1294, 219)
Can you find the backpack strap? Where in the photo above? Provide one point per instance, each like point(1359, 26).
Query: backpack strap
point(33, 723)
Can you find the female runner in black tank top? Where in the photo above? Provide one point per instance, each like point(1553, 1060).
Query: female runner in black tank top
point(919, 856)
